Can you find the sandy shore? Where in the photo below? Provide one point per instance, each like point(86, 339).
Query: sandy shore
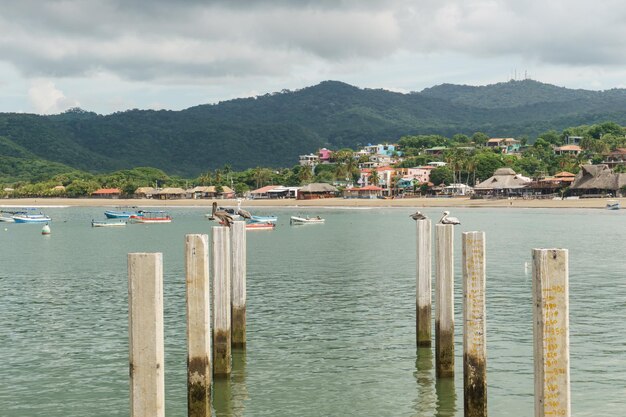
point(598, 203)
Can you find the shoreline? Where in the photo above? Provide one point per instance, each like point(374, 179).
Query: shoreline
point(464, 202)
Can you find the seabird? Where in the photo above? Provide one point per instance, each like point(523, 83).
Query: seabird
point(224, 218)
point(244, 213)
point(448, 220)
point(418, 216)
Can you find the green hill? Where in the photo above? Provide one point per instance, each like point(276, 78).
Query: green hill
point(273, 129)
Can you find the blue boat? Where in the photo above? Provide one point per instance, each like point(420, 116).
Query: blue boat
point(263, 219)
point(123, 213)
point(31, 218)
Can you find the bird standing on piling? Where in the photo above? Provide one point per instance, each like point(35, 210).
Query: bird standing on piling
point(224, 218)
point(448, 220)
point(418, 216)
point(243, 213)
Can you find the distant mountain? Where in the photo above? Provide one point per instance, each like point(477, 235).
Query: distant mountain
point(273, 129)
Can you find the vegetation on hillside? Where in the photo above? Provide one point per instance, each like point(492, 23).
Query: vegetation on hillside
point(468, 161)
point(273, 129)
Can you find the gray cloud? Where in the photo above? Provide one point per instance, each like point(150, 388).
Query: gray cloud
point(203, 40)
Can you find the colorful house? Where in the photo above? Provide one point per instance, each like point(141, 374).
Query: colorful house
point(420, 174)
point(507, 145)
point(568, 150)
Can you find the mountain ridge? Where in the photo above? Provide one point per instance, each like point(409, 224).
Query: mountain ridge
point(273, 129)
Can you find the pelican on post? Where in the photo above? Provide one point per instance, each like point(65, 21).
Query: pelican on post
point(418, 216)
point(224, 218)
point(445, 219)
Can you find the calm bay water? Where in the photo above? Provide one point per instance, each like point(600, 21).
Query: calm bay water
point(331, 315)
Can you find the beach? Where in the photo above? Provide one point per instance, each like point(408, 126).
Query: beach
point(598, 203)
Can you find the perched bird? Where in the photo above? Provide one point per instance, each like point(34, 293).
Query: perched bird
point(448, 220)
point(243, 213)
point(418, 216)
point(224, 218)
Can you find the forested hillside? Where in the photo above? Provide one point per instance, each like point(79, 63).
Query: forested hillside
point(272, 130)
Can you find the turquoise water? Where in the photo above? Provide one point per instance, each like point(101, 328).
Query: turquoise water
point(331, 315)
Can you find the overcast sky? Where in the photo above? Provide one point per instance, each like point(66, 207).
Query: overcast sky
point(113, 55)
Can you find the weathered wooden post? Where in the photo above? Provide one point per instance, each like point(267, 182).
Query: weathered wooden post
point(198, 326)
point(551, 332)
point(424, 287)
point(145, 323)
point(238, 242)
point(474, 331)
point(221, 301)
point(444, 319)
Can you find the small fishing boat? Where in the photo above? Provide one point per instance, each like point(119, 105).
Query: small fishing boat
point(31, 218)
point(122, 213)
point(263, 219)
point(151, 217)
point(306, 220)
point(260, 226)
point(7, 216)
point(612, 205)
point(108, 223)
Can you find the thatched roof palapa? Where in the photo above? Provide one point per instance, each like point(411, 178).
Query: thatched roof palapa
point(318, 187)
point(598, 177)
point(503, 179)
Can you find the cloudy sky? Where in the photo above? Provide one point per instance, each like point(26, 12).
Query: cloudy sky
point(113, 55)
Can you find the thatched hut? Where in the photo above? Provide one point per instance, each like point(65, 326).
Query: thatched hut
point(170, 193)
point(504, 182)
point(144, 192)
point(317, 190)
point(597, 181)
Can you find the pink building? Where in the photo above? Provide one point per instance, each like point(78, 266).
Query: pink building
point(421, 174)
point(325, 155)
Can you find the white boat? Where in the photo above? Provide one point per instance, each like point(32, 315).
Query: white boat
point(612, 205)
point(31, 218)
point(104, 223)
point(306, 220)
point(7, 217)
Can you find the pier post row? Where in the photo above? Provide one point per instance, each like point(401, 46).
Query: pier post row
point(551, 332)
point(474, 330)
point(444, 318)
point(198, 325)
point(221, 301)
point(238, 243)
point(145, 322)
point(424, 286)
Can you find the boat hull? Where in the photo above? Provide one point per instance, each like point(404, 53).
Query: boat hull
point(260, 226)
point(108, 224)
point(31, 219)
point(306, 220)
point(263, 219)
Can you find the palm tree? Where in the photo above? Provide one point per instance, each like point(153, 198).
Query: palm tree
point(374, 178)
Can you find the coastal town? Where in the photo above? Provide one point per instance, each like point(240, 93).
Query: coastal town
point(478, 168)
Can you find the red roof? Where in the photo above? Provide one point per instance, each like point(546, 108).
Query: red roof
point(107, 191)
point(564, 174)
point(265, 189)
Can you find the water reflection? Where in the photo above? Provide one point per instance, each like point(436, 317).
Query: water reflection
point(230, 394)
point(446, 397)
point(424, 404)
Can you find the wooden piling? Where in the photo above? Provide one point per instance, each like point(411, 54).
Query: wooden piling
point(221, 301)
point(444, 315)
point(238, 242)
point(474, 330)
point(424, 286)
point(551, 332)
point(145, 323)
point(198, 326)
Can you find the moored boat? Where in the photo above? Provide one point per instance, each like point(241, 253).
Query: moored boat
point(613, 205)
point(306, 220)
point(263, 219)
point(151, 217)
point(260, 226)
point(122, 213)
point(31, 218)
point(105, 223)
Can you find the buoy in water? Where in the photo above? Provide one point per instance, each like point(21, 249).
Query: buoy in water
point(45, 230)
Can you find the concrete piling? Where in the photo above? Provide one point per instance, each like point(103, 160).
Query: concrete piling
point(145, 322)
